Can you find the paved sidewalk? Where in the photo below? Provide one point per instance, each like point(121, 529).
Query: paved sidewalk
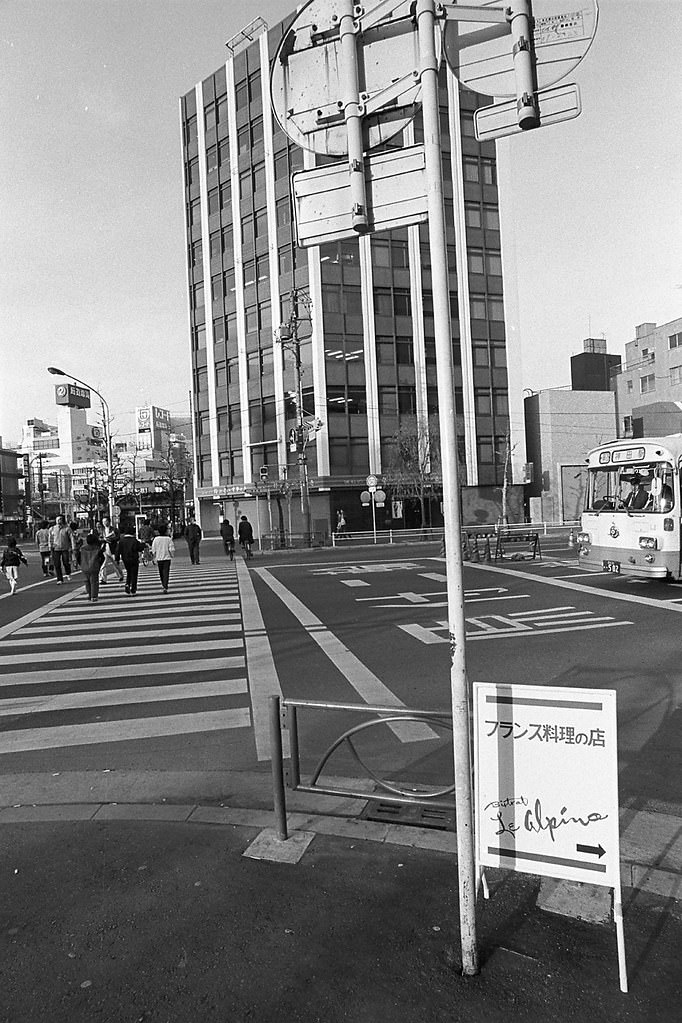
point(131, 914)
point(129, 910)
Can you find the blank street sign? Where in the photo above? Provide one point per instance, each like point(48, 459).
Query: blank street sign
point(500, 119)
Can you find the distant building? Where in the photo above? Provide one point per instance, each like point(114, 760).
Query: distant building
point(593, 368)
point(648, 386)
point(11, 514)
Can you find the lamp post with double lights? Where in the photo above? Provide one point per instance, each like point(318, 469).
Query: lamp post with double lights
point(106, 418)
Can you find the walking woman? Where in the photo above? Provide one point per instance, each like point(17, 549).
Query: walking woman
point(163, 550)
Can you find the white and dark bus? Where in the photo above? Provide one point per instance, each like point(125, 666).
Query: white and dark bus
point(631, 520)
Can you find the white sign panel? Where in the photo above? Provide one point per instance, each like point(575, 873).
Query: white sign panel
point(546, 781)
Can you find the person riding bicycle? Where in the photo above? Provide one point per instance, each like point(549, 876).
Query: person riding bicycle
point(245, 533)
point(227, 533)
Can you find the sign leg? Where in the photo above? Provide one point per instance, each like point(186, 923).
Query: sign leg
point(620, 938)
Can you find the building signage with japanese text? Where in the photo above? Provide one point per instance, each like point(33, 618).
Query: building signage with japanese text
point(546, 773)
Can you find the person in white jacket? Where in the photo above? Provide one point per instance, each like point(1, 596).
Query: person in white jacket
point(163, 551)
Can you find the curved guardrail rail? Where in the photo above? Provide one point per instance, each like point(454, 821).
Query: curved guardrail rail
point(284, 715)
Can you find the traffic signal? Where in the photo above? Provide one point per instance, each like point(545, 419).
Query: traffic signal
point(264, 472)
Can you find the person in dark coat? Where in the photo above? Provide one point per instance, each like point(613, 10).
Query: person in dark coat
point(227, 533)
point(193, 537)
point(129, 549)
point(92, 559)
point(245, 533)
point(12, 557)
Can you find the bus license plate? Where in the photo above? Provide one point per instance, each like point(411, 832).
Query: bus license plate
point(612, 566)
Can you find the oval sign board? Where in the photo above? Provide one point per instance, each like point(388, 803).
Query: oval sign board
point(305, 81)
point(480, 55)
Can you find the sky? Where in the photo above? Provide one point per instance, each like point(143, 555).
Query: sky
point(92, 262)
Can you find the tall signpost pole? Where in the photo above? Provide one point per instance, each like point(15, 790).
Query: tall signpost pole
point(448, 441)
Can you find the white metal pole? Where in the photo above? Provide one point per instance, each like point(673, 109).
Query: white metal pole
point(448, 441)
point(353, 111)
point(374, 518)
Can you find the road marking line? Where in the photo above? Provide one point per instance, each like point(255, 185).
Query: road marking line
point(139, 670)
point(354, 582)
point(196, 606)
point(80, 622)
point(123, 731)
point(8, 630)
point(86, 637)
point(139, 650)
point(121, 697)
point(429, 635)
point(370, 688)
point(263, 678)
point(588, 590)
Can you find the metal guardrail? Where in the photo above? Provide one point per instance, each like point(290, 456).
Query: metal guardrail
point(284, 714)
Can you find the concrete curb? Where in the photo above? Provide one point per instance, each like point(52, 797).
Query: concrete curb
point(662, 878)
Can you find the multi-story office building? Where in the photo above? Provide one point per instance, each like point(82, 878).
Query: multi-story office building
point(648, 386)
point(10, 497)
point(365, 308)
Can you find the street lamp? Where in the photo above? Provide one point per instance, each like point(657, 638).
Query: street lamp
point(107, 431)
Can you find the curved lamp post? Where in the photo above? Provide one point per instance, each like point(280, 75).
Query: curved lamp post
point(107, 431)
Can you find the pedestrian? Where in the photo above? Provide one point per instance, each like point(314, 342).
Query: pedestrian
point(193, 537)
point(130, 548)
point(340, 521)
point(145, 532)
point(77, 542)
point(245, 534)
point(12, 557)
point(43, 541)
point(92, 559)
point(227, 533)
point(111, 537)
point(61, 548)
point(163, 551)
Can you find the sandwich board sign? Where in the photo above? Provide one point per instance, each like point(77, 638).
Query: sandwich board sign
point(546, 785)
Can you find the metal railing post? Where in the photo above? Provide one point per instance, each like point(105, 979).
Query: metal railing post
point(278, 793)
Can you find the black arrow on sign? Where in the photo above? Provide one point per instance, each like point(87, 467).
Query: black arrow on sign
point(595, 850)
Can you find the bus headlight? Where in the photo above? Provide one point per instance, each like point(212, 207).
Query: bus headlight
point(584, 538)
point(668, 525)
point(648, 543)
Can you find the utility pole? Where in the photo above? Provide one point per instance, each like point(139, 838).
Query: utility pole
point(288, 337)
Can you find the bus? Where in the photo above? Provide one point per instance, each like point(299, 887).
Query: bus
point(631, 520)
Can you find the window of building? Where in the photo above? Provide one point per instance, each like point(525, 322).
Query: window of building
point(221, 375)
point(262, 268)
point(196, 254)
point(501, 403)
point(629, 386)
point(283, 211)
point(496, 309)
point(331, 299)
point(400, 254)
point(251, 317)
point(477, 307)
point(211, 159)
point(195, 213)
point(388, 401)
point(224, 157)
point(205, 469)
point(190, 130)
point(381, 252)
point(201, 377)
point(281, 166)
point(488, 171)
point(483, 403)
point(404, 352)
point(213, 201)
point(472, 214)
point(402, 302)
point(204, 424)
point(198, 296)
point(225, 196)
point(284, 257)
point(493, 261)
point(627, 425)
point(256, 131)
point(471, 170)
point(647, 384)
point(259, 177)
point(241, 94)
point(676, 374)
point(499, 356)
point(243, 140)
point(675, 340)
point(254, 86)
point(261, 223)
point(476, 265)
point(481, 356)
point(485, 450)
point(491, 218)
point(407, 400)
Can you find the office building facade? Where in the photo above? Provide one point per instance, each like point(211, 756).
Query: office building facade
point(363, 311)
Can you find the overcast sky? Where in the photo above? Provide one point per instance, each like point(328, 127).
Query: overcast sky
point(92, 271)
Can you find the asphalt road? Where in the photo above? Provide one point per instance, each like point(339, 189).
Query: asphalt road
point(180, 682)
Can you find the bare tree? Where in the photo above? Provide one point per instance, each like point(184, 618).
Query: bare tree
point(414, 470)
point(172, 475)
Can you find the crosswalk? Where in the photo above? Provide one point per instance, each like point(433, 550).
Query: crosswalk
point(128, 668)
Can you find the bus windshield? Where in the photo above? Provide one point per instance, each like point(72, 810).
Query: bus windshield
point(630, 488)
